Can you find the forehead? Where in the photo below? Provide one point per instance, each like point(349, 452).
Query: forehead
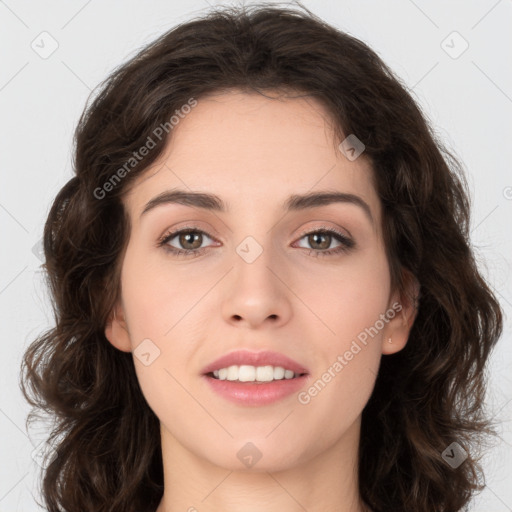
point(252, 150)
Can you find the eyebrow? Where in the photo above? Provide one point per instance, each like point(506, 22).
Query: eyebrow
point(295, 202)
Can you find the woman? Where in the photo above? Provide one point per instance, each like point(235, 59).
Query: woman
point(265, 293)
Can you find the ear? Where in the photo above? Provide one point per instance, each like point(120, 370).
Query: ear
point(116, 330)
point(405, 307)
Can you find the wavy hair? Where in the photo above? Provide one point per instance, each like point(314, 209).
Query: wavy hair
point(428, 395)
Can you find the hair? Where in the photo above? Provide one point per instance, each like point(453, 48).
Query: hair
point(427, 396)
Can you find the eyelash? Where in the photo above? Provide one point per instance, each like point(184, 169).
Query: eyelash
point(346, 243)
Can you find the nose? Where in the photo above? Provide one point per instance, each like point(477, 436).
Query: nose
point(257, 292)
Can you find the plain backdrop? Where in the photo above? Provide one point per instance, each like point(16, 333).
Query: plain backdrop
point(455, 56)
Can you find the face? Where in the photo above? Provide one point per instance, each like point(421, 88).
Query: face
point(311, 283)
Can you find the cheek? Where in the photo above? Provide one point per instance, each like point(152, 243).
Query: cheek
point(156, 309)
point(154, 298)
point(347, 298)
point(348, 305)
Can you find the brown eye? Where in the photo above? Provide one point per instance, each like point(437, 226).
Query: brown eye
point(185, 242)
point(320, 240)
point(189, 239)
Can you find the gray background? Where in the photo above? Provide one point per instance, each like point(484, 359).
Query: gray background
point(466, 95)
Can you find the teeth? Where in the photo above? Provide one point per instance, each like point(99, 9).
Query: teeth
point(247, 373)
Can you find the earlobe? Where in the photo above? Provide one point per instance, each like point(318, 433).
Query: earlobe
point(116, 330)
point(398, 329)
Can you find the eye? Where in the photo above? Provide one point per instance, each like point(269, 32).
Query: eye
point(321, 240)
point(190, 239)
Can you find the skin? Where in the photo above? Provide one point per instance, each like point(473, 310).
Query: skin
point(254, 152)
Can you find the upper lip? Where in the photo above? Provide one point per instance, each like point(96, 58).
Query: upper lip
point(262, 358)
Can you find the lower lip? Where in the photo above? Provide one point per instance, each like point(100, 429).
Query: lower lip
point(254, 393)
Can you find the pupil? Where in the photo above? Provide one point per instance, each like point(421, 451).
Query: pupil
point(186, 236)
point(324, 245)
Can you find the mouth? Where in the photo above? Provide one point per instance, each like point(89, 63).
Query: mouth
point(258, 375)
point(246, 366)
point(249, 378)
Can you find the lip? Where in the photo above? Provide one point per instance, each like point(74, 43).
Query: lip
point(254, 393)
point(262, 358)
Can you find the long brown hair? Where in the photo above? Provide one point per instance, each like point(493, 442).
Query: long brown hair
point(427, 396)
